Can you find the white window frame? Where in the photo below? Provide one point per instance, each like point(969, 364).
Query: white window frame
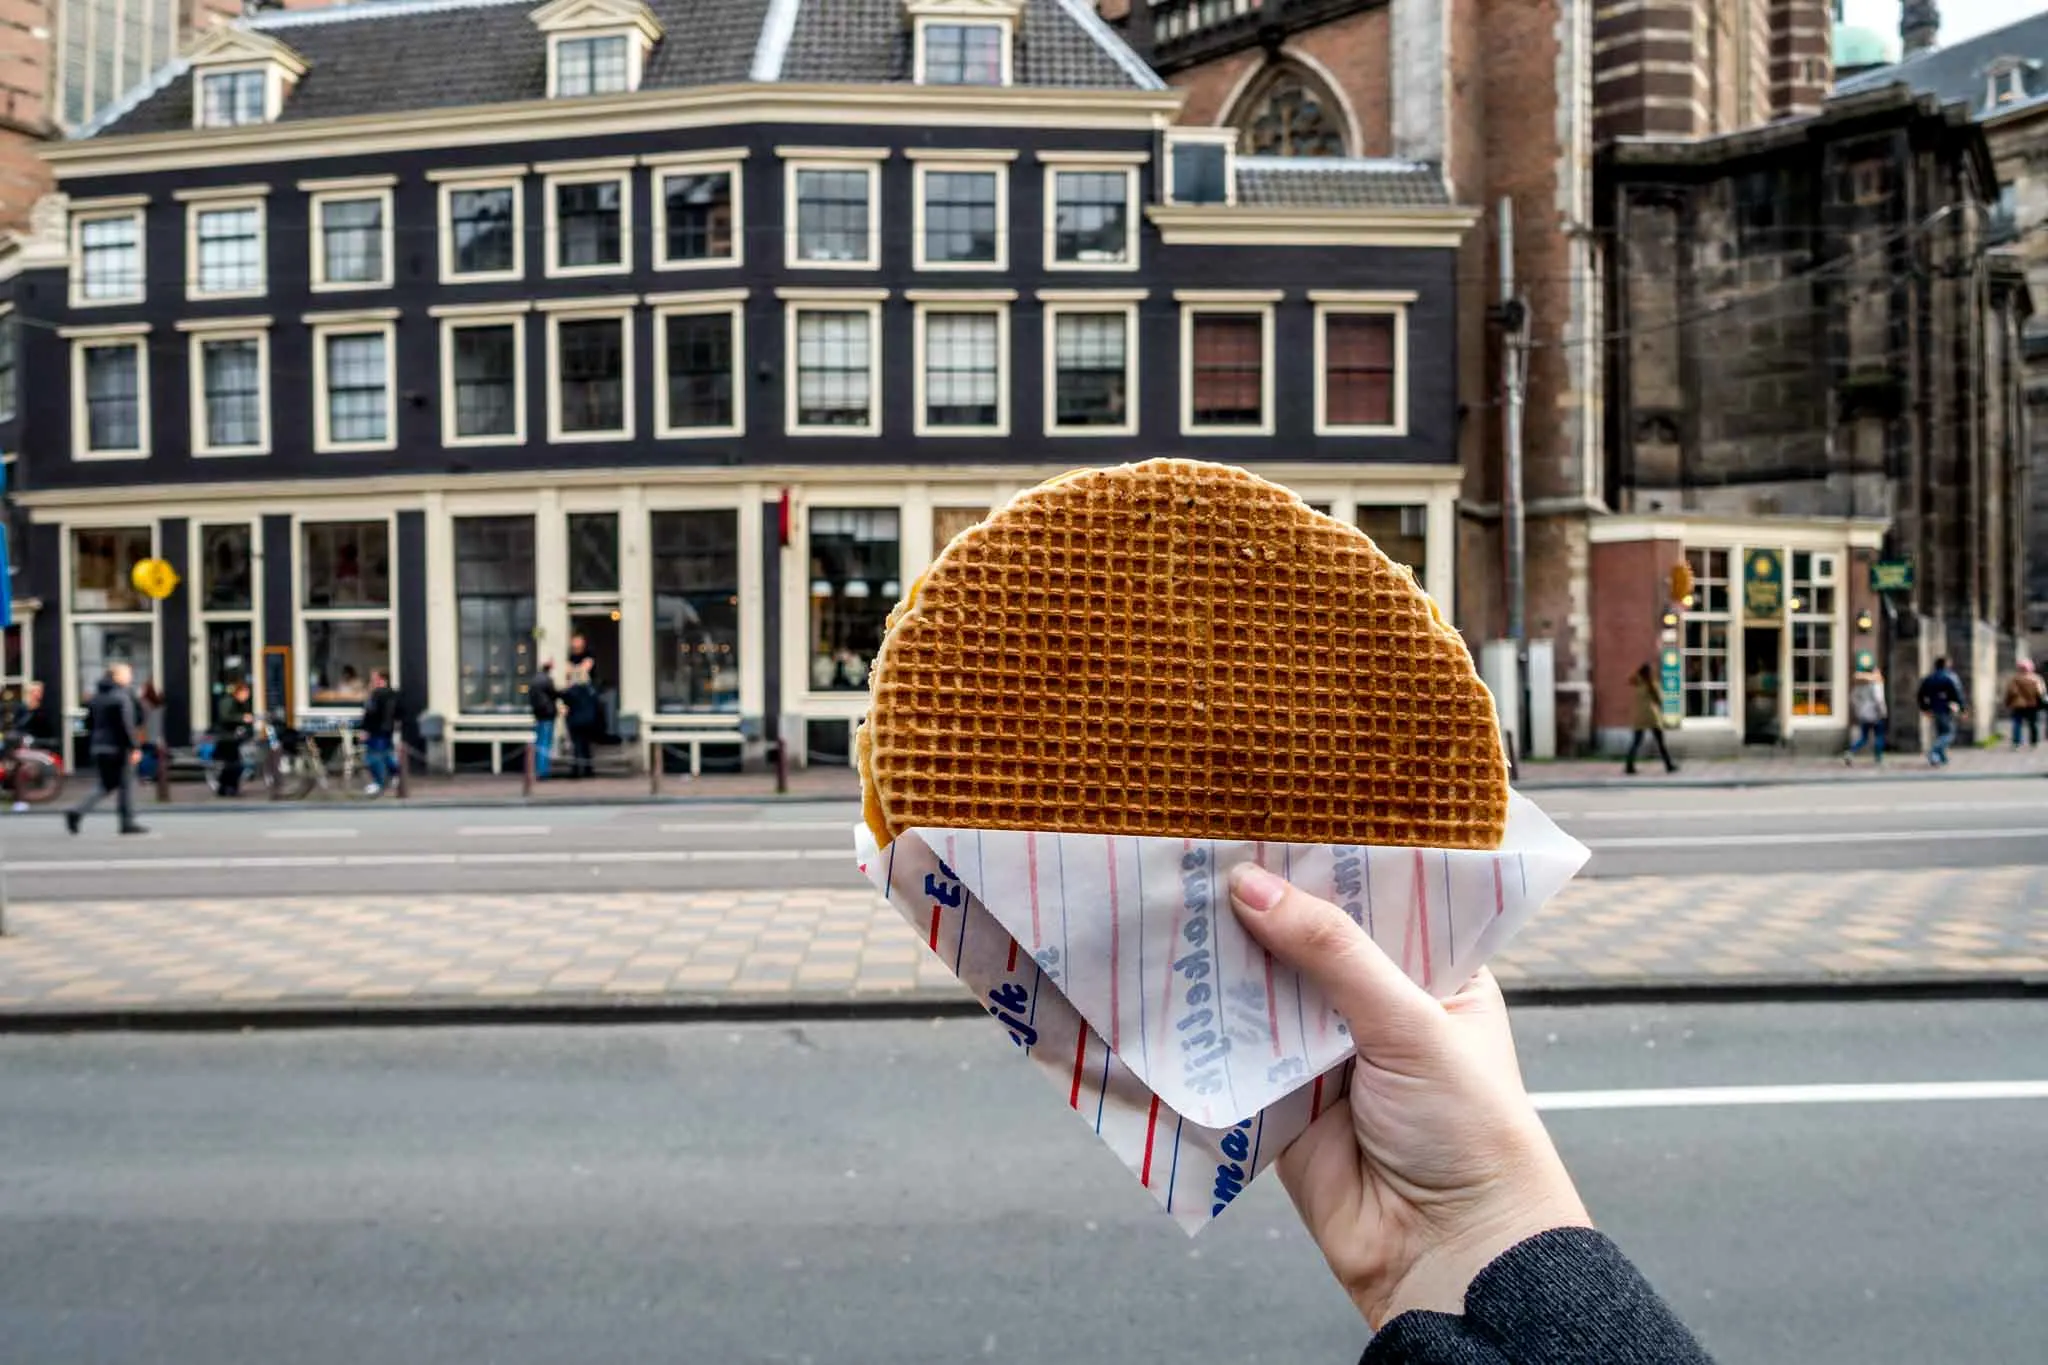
point(985, 302)
point(1223, 137)
point(636, 59)
point(124, 519)
point(273, 91)
point(511, 178)
point(798, 159)
point(1336, 303)
point(733, 303)
point(1005, 25)
point(384, 320)
point(204, 616)
point(799, 301)
point(452, 319)
point(587, 310)
point(1133, 210)
point(1054, 303)
point(1197, 301)
point(729, 161)
point(103, 210)
point(303, 615)
point(195, 208)
point(227, 329)
point(324, 192)
point(993, 163)
point(616, 170)
point(82, 339)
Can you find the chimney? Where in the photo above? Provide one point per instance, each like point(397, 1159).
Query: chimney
point(1919, 26)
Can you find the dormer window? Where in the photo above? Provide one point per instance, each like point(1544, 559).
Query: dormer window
point(1201, 166)
point(596, 47)
point(963, 42)
point(2006, 82)
point(241, 78)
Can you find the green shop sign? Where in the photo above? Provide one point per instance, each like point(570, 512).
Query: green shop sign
point(1672, 686)
point(1891, 575)
point(1763, 583)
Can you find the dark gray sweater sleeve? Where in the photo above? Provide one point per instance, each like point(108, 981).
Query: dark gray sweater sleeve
point(1564, 1297)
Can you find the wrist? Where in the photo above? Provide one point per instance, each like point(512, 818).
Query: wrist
point(1438, 1279)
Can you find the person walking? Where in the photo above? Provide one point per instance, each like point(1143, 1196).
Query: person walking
point(231, 722)
point(2024, 696)
point(586, 719)
point(1648, 700)
point(1868, 712)
point(114, 737)
point(1941, 700)
point(380, 724)
point(546, 700)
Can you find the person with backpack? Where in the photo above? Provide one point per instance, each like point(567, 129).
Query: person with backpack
point(2024, 696)
point(1941, 700)
point(545, 699)
point(586, 721)
point(380, 726)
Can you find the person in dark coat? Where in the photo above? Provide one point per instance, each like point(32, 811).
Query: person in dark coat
point(585, 714)
point(1432, 1189)
point(380, 726)
point(1648, 701)
point(1941, 700)
point(546, 700)
point(231, 721)
point(114, 737)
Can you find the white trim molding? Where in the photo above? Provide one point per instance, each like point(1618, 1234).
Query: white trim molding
point(453, 320)
point(931, 303)
point(798, 161)
point(731, 166)
point(449, 184)
point(199, 338)
point(998, 172)
point(197, 208)
point(1332, 303)
point(551, 266)
point(1109, 302)
point(731, 303)
point(134, 337)
point(326, 329)
point(593, 311)
point(363, 188)
point(1240, 303)
point(1133, 207)
point(867, 304)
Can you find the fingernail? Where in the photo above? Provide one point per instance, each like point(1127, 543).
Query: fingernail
point(1255, 888)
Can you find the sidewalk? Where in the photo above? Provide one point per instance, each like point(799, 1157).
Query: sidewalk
point(811, 950)
point(840, 784)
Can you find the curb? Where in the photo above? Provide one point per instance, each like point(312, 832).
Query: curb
point(616, 1011)
point(145, 809)
point(1711, 783)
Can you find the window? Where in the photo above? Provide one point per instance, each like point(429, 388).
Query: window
point(107, 249)
point(1707, 623)
point(587, 219)
point(352, 240)
point(1199, 171)
point(1092, 369)
point(835, 223)
point(960, 384)
point(112, 622)
point(696, 611)
point(1226, 370)
point(226, 582)
point(1360, 385)
point(835, 370)
point(10, 340)
point(856, 556)
point(594, 553)
point(1292, 114)
point(948, 522)
point(484, 380)
point(699, 350)
point(110, 415)
point(229, 99)
point(964, 54)
point(1402, 534)
point(226, 249)
point(354, 381)
point(224, 557)
point(345, 597)
point(1813, 634)
point(697, 217)
point(1093, 225)
point(960, 216)
point(590, 364)
point(481, 231)
point(494, 609)
point(592, 66)
point(230, 393)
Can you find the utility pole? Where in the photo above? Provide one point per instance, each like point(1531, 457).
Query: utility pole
point(1514, 319)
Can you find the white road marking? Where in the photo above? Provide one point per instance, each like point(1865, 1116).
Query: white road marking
point(1853, 836)
point(316, 832)
point(1816, 812)
point(503, 831)
point(521, 859)
point(1721, 1096)
point(763, 827)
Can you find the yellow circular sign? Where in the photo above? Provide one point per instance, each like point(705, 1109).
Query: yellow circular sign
point(154, 578)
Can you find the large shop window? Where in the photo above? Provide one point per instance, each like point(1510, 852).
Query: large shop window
point(345, 575)
point(352, 242)
point(835, 216)
point(587, 219)
point(961, 382)
point(1708, 622)
point(699, 358)
point(1359, 385)
point(836, 371)
point(696, 611)
point(856, 559)
point(1813, 633)
point(111, 621)
point(962, 218)
point(699, 215)
point(1224, 371)
point(109, 258)
point(1402, 533)
point(227, 242)
point(481, 223)
point(112, 417)
point(1091, 218)
point(590, 366)
point(1092, 373)
point(494, 604)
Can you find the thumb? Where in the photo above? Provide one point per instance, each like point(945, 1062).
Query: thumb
point(1392, 1019)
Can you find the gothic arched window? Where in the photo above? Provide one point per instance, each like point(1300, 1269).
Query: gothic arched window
point(1291, 113)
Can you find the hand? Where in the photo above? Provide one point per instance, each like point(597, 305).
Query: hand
point(135, 758)
point(1439, 1163)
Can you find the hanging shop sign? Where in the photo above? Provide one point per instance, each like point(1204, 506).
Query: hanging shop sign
point(1763, 583)
point(1891, 575)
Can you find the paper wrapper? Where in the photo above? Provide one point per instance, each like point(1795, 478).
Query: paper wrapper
point(1117, 966)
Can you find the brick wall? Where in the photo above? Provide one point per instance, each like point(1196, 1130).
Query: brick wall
point(25, 80)
point(1352, 52)
point(1629, 584)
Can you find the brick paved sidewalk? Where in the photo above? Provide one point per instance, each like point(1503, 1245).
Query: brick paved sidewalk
point(834, 946)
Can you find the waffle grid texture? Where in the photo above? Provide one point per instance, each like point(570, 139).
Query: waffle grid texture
point(1180, 649)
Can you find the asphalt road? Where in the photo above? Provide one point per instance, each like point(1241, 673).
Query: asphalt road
point(906, 1192)
point(386, 848)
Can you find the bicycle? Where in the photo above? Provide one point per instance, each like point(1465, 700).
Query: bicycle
point(33, 775)
point(292, 767)
point(211, 766)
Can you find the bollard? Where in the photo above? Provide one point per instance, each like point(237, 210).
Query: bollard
point(163, 773)
point(782, 765)
point(526, 775)
point(404, 749)
point(654, 767)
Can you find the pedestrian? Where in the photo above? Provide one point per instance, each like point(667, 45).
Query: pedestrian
point(581, 661)
point(231, 721)
point(151, 703)
point(546, 701)
point(586, 718)
point(1648, 701)
point(114, 737)
point(1432, 1189)
point(1941, 700)
point(2024, 696)
point(24, 727)
point(1868, 712)
point(380, 724)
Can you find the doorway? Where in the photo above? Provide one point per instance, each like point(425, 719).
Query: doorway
point(600, 632)
point(1762, 682)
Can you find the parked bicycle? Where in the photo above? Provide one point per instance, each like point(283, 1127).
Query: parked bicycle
point(33, 775)
point(211, 767)
point(292, 766)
